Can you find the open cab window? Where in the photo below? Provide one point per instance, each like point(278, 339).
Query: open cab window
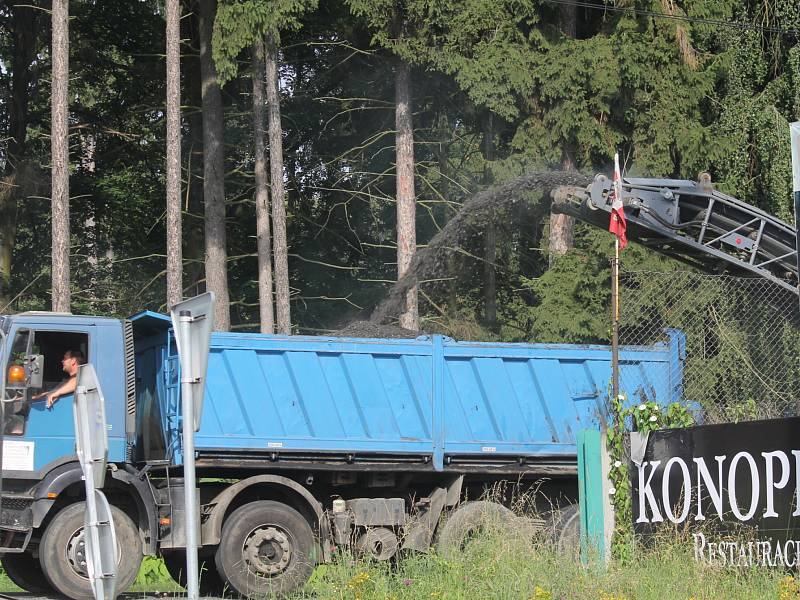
point(35, 366)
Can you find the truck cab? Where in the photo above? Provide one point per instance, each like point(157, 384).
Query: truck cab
point(36, 439)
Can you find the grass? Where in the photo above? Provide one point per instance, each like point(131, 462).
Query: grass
point(507, 568)
point(6, 585)
point(494, 567)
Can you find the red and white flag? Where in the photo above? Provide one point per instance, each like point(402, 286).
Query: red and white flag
point(617, 225)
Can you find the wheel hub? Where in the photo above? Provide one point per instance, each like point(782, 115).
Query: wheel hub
point(76, 553)
point(267, 551)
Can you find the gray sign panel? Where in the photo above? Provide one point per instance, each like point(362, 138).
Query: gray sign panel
point(193, 321)
point(91, 442)
point(91, 436)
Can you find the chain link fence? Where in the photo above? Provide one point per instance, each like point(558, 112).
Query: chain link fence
point(737, 343)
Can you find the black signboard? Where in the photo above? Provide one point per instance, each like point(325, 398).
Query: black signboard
point(735, 487)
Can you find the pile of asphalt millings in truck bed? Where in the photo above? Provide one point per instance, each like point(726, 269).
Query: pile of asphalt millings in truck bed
point(496, 205)
point(371, 329)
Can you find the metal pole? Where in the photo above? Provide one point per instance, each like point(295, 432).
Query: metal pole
point(189, 482)
point(615, 327)
point(794, 133)
point(797, 233)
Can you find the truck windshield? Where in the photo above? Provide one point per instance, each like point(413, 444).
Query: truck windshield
point(15, 407)
point(5, 326)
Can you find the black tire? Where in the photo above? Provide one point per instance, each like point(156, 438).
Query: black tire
point(59, 551)
point(565, 525)
point(266, 549)
point(469, 519)
point(25, 572)
point(211, 584)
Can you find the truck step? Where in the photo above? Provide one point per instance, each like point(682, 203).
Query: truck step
point(16, 501)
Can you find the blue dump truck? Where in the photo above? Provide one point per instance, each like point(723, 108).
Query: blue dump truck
point(307, 444)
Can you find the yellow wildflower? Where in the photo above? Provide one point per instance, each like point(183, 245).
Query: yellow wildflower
point(605, 596)
point(539, 593)
point(789, 588)
point(358, 580)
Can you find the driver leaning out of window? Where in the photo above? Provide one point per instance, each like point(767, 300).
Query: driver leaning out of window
point(70, 363)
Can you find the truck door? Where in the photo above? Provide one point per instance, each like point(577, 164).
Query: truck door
point(36, 437)
point(16, 405)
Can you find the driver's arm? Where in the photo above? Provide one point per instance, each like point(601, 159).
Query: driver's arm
point(68, 387)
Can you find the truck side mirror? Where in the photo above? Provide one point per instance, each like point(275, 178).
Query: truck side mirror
point(35, 370)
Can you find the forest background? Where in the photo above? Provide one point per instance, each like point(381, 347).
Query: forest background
point(491, 89)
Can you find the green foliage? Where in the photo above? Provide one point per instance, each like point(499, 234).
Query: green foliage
point(484, 47)
point(569, 302)
point(239, 23)
point(643, 418)
point(153, 575)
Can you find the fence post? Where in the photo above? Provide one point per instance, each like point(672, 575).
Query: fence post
point(794, 130)
point(597, 517)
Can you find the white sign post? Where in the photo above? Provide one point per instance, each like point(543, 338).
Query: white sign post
point(794, 131)
point(91, 441)
point(192, 321)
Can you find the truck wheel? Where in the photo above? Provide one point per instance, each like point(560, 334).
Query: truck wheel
point(469, 519)
point(211, 584)
point(266, 549)
point(25, 572)
point(565, 525)
point(62, 552)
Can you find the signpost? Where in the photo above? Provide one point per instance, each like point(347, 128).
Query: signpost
point(91, 440)
point(192, 321)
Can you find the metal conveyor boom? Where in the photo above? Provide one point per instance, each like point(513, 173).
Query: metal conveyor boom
point(693, 222)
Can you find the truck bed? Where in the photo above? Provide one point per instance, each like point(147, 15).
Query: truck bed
point(428, 403)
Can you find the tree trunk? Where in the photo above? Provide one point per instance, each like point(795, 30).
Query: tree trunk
point(59, 145)
point(562, 227)
point(194, 251)
point(174, 233)
point(568, 18)
point(406, 203)
point(266, 313)
point(280, 249)
point(449, 210)
point(25, 25)
point(490, 238)
point(213, 172)
point(19, 176)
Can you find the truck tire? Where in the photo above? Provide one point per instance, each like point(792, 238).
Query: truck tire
point(25, 572)
point(211, 584)
point(62, 547)
point(469, 519)
point(265, 549)
point(565, 525)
